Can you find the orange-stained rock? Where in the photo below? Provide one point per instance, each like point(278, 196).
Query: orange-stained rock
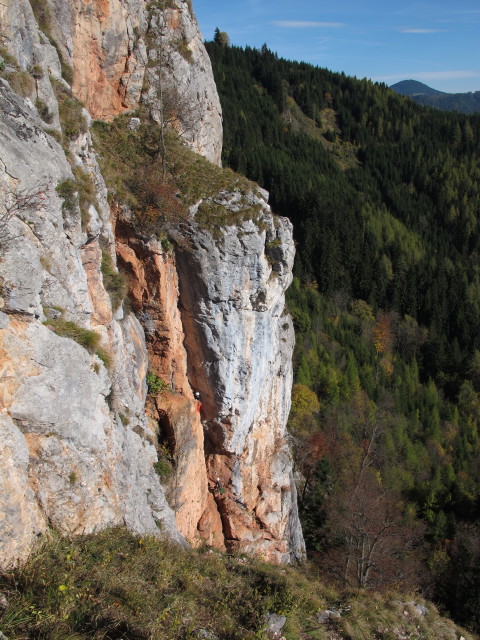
point(109, 44)
point(102, 56)
point(239, 342)
point(77, 450)
point(153, 282)
point(210, 527)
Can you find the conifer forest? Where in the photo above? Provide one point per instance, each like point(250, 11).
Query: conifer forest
point(384, 196)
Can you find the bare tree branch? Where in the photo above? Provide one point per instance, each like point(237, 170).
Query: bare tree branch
point(18, 202)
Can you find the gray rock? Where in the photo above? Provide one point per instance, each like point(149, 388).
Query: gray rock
point(417, 608)
point(189, 78)
point(134, 124)
point(65, 459)
point(328, 614)
point(204, 634)
point(52, 314)
point(275, 623)
point(240, 343)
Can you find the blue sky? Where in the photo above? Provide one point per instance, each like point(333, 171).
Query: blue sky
point(435, 42)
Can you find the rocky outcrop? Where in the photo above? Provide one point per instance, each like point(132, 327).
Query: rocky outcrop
point(82, 444)
point(117, 50)
point(153, 282)
point(239, 341)
point(229, 339)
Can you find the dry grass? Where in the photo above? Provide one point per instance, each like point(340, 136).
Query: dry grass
point(21, 82)
point(113, 586)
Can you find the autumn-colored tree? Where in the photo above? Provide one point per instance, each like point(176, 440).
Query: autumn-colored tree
point(373, 539)
point(383, 336)
point(160, 209)
point(305, 404)
point(221, 38)
point(383, 333)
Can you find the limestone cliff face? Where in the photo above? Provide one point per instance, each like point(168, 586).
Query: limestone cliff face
point(111, 45)
point(239, 341)
point(79, 438)
point(75, 446)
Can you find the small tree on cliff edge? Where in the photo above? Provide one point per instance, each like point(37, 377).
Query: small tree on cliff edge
point(221, 38)
point(173, 108)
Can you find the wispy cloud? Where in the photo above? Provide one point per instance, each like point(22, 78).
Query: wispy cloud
point(429, 75)
point(307, 24)
point(422, 30)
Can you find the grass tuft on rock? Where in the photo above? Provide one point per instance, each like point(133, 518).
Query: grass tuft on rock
point(88, 339)
point(21, 82)
point(79, 191)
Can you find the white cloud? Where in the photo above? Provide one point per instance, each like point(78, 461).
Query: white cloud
point(307, 24)
point(421, 30)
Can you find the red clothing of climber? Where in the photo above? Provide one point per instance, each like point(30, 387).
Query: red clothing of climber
point(197, 398)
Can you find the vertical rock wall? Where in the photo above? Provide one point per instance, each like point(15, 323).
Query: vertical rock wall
point(76, 449)
point(79, 438)
point(239, 341)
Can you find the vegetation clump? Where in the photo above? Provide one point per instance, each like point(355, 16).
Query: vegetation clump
point(155, 384)
point(117, 585)
point(67, 189)
point(43, 111)
point(165, 464)
point(114, 281)
point(131, 163)
point(21, 82)
point(181, 45)
point(87, 338)
point(79, 191)
point(68, 329)
point(70, 112)
point(41, 11)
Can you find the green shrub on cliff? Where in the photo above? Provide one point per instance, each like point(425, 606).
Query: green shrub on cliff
point(87, 338)
point(155, 384)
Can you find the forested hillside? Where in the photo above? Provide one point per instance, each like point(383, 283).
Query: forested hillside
point(385, 197)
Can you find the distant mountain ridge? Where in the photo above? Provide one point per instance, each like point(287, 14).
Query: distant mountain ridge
point(414, 88)
point(423, 94)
